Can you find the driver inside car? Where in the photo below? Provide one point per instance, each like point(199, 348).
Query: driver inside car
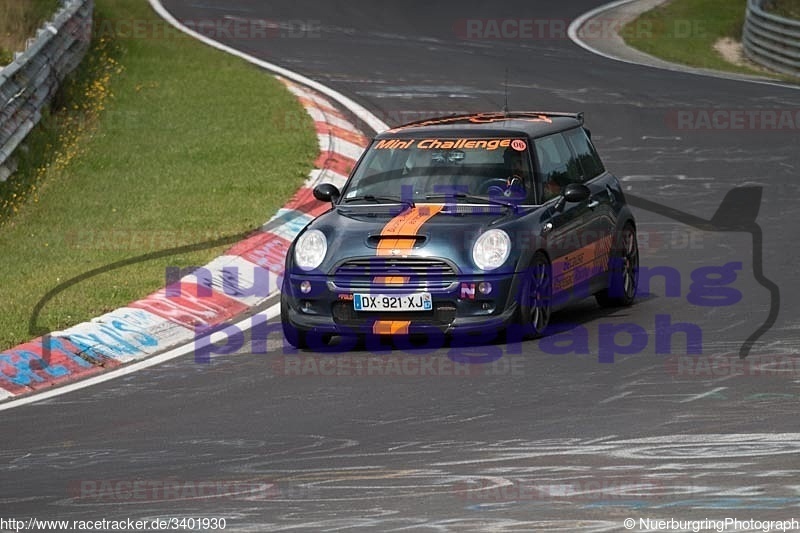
point(514, 175)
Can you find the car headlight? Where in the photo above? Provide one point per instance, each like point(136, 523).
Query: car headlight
point(310, 249)
point(491, 249)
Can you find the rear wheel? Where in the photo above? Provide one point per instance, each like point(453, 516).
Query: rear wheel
point(623, 271)
point(536, 297)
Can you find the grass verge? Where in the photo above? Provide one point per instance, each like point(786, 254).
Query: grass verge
point(19, 20)
point(155, 142)
point(685, 31)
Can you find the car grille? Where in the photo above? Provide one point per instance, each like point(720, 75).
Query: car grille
point(372, 272)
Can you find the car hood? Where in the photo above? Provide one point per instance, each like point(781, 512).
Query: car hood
point(428, 230)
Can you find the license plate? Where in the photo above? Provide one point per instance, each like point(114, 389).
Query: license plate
point(420, 301)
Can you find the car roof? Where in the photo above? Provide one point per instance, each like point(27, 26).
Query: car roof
point(515, 123)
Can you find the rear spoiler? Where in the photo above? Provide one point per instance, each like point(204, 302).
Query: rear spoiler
point(498, 115)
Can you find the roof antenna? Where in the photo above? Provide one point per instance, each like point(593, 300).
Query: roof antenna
point(505, 106)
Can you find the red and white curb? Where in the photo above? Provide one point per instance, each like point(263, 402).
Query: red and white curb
point(245, 276)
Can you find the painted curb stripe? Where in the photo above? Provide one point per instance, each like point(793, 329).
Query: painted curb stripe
point(266, 250)
point(243, 325)
point(23, 370)
point(326, 176)
point(295, 222)
point(330, 143)
point(329, 111)
point(319, 116)
point(325, 128)
point(306, 195)
point(184, 306)
point(336, 162)
point(162, 320)
point(166, 318)
point(308, 95)
point(236, 278)
point(125, 334)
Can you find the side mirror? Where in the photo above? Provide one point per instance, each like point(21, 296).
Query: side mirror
point(573, 193)
point(576, 192)
point(326, 192)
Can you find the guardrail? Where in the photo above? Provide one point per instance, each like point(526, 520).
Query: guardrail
point(771, 40)
point(28, 84)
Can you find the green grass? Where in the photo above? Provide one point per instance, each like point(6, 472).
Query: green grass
point(784, 8)
point(19, 20)
point(684, 31)
point(154, 143)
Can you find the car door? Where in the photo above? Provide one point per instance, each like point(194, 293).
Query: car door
point(601, 203)
point(573, 235)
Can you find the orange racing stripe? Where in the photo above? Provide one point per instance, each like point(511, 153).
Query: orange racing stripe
point(405, 224)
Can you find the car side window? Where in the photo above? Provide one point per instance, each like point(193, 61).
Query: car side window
point(557, 166)
point(588, 159)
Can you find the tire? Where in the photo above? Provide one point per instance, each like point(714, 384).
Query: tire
point(536, 297)
point(623, 271)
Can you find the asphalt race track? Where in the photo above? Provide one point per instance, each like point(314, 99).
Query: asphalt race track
point(536, 441)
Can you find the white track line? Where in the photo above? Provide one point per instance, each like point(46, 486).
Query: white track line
point(703, 395)
point(243, 325)
point(357, 109)
point(617, 397)
point(572, 31)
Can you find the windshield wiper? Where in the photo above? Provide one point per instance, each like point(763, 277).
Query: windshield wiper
point(471, 197)
point(381, 199)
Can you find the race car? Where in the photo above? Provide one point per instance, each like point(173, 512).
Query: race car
point(461, 225)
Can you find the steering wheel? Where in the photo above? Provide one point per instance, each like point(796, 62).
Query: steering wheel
point(486, 186)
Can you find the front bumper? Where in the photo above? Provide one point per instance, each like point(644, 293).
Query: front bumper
point(458, 307)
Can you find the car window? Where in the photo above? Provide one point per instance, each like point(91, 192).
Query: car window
point(588, 159)
point(417, 168)
point(557, 166)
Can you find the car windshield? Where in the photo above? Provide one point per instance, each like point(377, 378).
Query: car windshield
point(412, 170)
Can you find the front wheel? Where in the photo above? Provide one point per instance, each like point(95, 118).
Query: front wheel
point(623, 271)
point(536, 297)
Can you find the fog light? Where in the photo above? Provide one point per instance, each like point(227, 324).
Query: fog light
point(486, 306)
point(305, 287)
point(484, 287)
point(307, 306)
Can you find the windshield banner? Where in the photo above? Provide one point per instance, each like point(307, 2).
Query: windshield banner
point(450, 144)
